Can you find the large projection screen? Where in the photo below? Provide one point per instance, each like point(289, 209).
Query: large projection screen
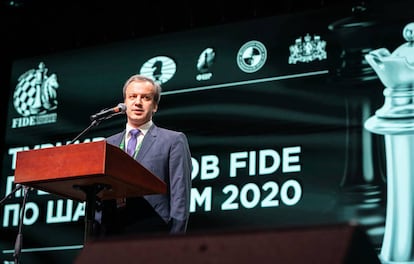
point(273, 109)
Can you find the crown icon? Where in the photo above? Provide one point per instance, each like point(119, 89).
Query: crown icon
point(307, 49)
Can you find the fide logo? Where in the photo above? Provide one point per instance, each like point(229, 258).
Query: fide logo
point(35, 97)
point(251, 56)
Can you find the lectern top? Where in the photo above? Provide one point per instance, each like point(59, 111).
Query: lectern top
point(59, 170)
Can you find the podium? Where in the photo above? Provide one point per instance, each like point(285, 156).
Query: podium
point(84, 172)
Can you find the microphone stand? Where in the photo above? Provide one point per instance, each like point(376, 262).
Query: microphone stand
point(93, 123)
point(18, 187)
point(19, 239)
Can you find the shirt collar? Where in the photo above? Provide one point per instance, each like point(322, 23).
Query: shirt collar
point(144, 128)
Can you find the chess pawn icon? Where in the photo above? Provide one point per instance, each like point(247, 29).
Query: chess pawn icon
point(395, 120)
point(362, 187)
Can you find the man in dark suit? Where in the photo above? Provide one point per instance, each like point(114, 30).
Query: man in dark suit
point(163, 152)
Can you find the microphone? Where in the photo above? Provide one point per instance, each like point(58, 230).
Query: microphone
point(107, 113)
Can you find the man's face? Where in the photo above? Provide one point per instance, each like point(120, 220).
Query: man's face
point(139, 99)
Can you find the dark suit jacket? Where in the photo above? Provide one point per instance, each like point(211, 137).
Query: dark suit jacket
point(167, 155)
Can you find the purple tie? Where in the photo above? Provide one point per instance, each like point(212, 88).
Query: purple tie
point(132, 143)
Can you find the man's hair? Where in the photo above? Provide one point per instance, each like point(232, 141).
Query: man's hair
point(142, 78)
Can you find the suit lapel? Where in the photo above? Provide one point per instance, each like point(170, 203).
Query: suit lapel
point(148, 141)
point(119, 138)
point(116, 139)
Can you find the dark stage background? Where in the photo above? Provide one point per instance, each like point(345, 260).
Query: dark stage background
point(272, 98)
